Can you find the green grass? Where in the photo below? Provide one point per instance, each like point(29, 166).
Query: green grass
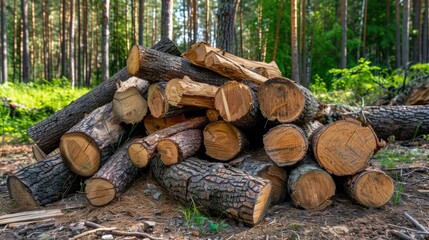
point(391, 157)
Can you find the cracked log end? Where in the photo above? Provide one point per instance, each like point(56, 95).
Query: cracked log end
point(133, 60)
point(80, 153)
point(169, 152)
point(138, 155)
point(129, 106)
point(99, 191)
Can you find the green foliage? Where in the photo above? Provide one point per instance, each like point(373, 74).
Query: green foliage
point(397, 196)
point(390, 157)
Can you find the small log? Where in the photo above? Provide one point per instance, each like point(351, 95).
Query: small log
point(223, 141)
point(87, 145)
point(142, 150)
point(285, 144)
point(282, 100)
point(41, 183)
point(158, 103)
point(199, 51)
point(213, 115)
point(257, 163)
point(344, 147)
point(47, 133)
point(180, 146)
point(39, 155)
point(153, 124)
point(370, 187)
point(237, 104)
point(112, 179)
point(310, 187)
point(219, 189)
point(128, 102)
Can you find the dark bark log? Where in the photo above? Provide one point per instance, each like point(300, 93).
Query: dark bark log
point(218, 188)
point(43, 182)
point(48, 132)
point(180, 146)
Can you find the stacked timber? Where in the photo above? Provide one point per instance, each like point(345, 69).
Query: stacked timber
point(225, 133)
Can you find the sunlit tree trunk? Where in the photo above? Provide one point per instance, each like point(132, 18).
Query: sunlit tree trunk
point(398, 35)
point(388, 26)
point(46, 38)
point(25, 51)
point(417, 41)
point(71, 46)
point(405, 33)
point(33, 44)
point(241, 32)
point(105, 41)
point(79, 44)
point(86, 55)
point(63, 41)
point(294, 41)
point(133, 21)
point(167, 19)
point(207, 21)
point(4, 42)
point(302, 36)
point(15, 42)
point(140, 20)
point(365, 17)
point(259, 48)
point(195, 20)
point(190, 22)
point(225, 28)
point(343, 33)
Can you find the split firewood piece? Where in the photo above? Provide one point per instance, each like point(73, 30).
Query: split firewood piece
point(39, 155)
point(156, 66)
point(223, 141)
point(153, 124)
point(237, 104)
point(142, 150)
point(216, 187)
point(344, 147)
point(87, 145)
point(310, 187)
point(199, 51)
point(47, 133)
point(128, 102)
point(213, 115)
point(257, 163)
point(180, 146)
point(370, 187)
point(185, 92)
point(112, 179)
point(158, 103)
point(285, 144)
point(41, 183)
point(231, 69)
point(282, 100)
point(29, 216)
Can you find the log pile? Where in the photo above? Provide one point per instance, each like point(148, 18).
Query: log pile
point(226, 133)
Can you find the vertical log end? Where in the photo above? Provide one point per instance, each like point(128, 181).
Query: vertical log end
point(133, 60)
point(138, 155)
point(99, 191)
point(20, 193)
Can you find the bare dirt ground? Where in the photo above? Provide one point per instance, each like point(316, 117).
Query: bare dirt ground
point(343, 219)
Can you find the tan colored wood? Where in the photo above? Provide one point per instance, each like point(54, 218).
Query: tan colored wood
point(371, 187)
point(285, 144)
point(158, 103)
point(38, 154)
point(180, 146)
point(213, 115)
point(29, 216)
point(198, 51)
point(223, 141)
point(185, 92)
point(153, 124)
point(344, 147)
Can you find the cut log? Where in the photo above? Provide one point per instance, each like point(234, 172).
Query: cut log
point(112, 179)
point(153, 124)
point(199, 51)
point(370, 187)
point(219, 189)
point(180, 146)
point(344, 147)
point(158, 103)
point(402, 122)
point(257, 163)
point(39, 155)
point(282, 100)
point(41, 183)
point(237, 104)
point(128, 102)
point(310, 187)
point(88, 144)
point(156, 66)
point(213, 115)
point(185, 92)
point(142, 150)
point(47, 133)
point(285, 144)
point(417, 94)
point(231, 69)
point(223, 141)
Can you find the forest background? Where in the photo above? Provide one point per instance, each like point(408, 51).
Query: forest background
point(352, 50)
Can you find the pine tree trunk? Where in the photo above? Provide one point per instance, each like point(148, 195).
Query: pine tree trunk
point(225, 31)
point(25, 49)
point(167, 19)
point(105, 41)
point(3, 54)
point(294, 41)
point(343, 34)
point(71, 46)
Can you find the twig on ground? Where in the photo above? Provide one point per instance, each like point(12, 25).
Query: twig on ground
point(408, 229)
point(91, 232)
point(401, 235)
point(416, 223)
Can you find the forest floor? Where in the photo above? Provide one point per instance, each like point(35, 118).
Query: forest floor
point(343, 219)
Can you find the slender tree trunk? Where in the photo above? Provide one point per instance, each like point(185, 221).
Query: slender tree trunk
point(15, 43)
point(294, 41)
point(425, 32)
point(34, 45)
point(405, 33)
point(86, 56)
point(46, 39)
point(71, 46)
point(79, 44)
point(190, 22)
point(63, 43)
point(225, 31)
point(195, 20)
point(25, 51)
point(417, 42)
point(140, 20)
point(259, 24)
point(167, 19)
point(387, 59)
point(185, 43)
point(365, 17)
point(105, 41)
point(398, 35)
point(207, 21)
point(133, 21)
point(302, 42)
point(276, 38)
point(4, 41)
point(344, 34)
point(241, 32)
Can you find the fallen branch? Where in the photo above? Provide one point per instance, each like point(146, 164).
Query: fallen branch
point(416, 223)
point(401, 235)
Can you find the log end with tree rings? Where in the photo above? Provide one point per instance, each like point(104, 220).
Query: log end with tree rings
point(263, 200)
point(133, 60)
point(20, 193)
point(310, 187)
point(153, 124)
point(370, 188)
point(80, 153)
point(169, 152)
point(285, 144)
point(280, 99)
point(344, 147)
point(129, 106)
point(157, 100)
point(99, 192)
point(138, 155)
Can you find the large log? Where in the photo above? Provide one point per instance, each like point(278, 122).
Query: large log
point(112, 179)
point(41, 183)
point(88, 144)
point(402, 122)
point(47, 133)
point(282, 100)
point(370, 187)
point(142, 150)
point(344, 147)
point(310, 187)
point(128, 102)
point(219, 189)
